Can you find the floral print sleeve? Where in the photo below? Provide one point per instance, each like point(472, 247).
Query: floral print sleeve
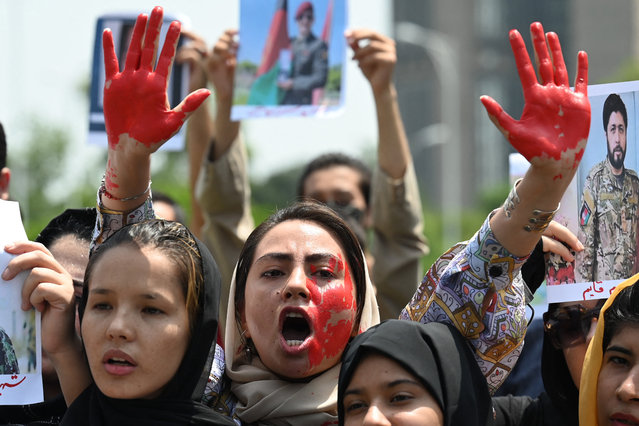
point(477, 287)
point(217, 393)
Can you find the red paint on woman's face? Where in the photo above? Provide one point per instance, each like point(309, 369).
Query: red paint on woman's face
point(300, 305)
point(332, 328)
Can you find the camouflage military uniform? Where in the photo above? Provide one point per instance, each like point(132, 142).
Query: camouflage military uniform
point(608, 224)
point(8, 361)
point(309, 69)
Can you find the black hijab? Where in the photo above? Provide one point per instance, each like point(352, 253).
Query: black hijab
point(179, 403)
point(558, 384)
point(437, 355)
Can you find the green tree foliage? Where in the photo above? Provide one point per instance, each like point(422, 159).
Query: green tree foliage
point(278, 190)
point(247, 67)
point(628, 71)
point(36, 165)
point(171, 176)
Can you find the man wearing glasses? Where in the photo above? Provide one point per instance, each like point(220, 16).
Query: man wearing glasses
point(309, 61)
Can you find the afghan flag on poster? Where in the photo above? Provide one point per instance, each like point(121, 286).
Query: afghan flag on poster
point(264, 90)
point(328, 23)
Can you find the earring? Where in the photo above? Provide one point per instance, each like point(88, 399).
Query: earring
point(248, 350)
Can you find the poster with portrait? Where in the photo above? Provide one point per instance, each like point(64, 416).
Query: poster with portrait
point(601, 205)
point(291, 58)
point(20, 351)
point(121, 26)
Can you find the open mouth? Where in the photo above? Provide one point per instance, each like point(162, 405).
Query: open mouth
point(118, 361)
point(295, 329)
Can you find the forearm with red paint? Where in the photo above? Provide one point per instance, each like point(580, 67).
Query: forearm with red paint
point(137, 113)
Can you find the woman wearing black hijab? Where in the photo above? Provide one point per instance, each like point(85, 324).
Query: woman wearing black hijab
point(149, 316)
point(435, 354)
point(179, 401)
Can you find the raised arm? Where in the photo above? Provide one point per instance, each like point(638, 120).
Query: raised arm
point(551, 133)
point(396, 209)
point(222, 190)
point(199, 128)
point(218, 68)
point(377, 61)
point(137, 113)
point(477, 285)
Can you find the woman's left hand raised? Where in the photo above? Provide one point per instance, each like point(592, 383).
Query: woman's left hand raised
point(135, 100)
point(553, 129)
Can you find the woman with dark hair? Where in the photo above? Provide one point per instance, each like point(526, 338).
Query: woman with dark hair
point(410, 373)
point(148, 318)
point(301, 291)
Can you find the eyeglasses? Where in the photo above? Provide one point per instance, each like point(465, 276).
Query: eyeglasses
point(569, 326)
point(308, 16)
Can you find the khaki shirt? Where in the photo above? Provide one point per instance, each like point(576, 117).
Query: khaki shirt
point(608, 224)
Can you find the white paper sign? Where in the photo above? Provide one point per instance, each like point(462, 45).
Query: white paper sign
point(601, 205)
point(20, 347)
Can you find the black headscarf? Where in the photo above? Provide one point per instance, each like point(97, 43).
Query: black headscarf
point(438, 356)
point(558, 383)
point(179, 403)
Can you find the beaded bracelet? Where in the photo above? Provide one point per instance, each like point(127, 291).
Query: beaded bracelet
point(106, 193)
point(539, 220)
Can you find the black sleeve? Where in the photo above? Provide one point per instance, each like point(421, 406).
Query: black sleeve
point(517, 411)
point(534, 270)
point(526, 411)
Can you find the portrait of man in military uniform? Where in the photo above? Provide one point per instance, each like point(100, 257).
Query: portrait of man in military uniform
point(608, 210)
point(309, 60)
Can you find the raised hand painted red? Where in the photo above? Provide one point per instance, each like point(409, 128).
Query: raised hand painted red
point(555, 122)
point(135, 100)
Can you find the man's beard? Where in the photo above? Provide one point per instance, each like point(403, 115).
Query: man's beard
point(616, 163)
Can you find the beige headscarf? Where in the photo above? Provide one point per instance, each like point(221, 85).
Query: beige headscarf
point(265, 398)
point(592, 364)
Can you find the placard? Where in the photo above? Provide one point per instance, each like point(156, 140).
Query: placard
point(291, 58)
point(20, 347)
